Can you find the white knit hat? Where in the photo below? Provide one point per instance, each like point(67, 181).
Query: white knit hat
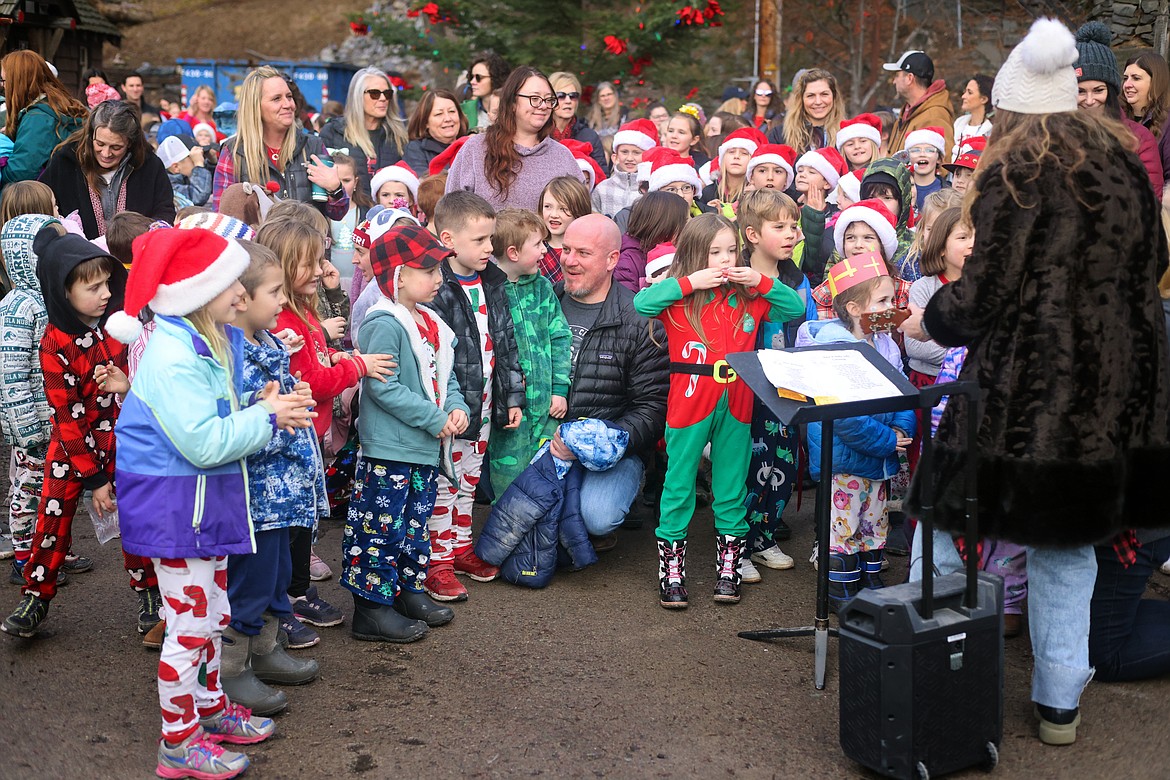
point(670, 167)
point(399, 172)
point(1038, 76)
point(873, 213)
point(926, 136)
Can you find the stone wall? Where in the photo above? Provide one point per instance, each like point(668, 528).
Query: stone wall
point(1133, 21)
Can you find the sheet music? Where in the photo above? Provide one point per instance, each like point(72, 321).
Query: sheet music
point(827, 376)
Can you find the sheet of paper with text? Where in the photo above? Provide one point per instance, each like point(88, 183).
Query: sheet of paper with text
point(826, 376)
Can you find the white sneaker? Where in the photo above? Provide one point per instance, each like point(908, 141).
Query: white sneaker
point(1165, 568)
point(749, 572)
point(813, 558)
point(773, 558)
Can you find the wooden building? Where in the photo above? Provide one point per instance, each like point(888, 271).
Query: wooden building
point(67, 33)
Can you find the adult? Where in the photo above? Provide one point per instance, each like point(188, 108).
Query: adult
point(927, 102)
point(765, 107)
point(976, 101)
point(815, 111)
point(1059, 309)
point(134, 93)
point(567, 125)
point(106, 167)
point(41, 113)
point(372, 128)
point(511, 162)
point(1146, 89)
point(619, 372)
point(434, 125)
point(1099, 88)
point(201, 109)
point(486, 76)
point(269, 148)
point(607, 114)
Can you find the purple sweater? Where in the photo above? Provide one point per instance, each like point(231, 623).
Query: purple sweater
point(539, 165)
point(630, 270)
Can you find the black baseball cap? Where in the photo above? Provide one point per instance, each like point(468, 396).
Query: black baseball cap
point(915, 62)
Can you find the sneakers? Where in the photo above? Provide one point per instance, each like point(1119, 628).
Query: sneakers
point(319, 571)
point(299, 635)
point(1057, 727)
point(441, 584)
point(16, 576)
point(27, 618)
point(748, 571)
point(198, 757)
point(467, 562)
point(813, 558)
point(149, 604)
point(773, 558)
point(311, 608)
point(76, 564)
point(236, 726)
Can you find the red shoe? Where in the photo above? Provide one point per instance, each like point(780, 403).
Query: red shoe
point(441, 584)
point(467, 562)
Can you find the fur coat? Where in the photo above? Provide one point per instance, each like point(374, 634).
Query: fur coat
point(1059, 307)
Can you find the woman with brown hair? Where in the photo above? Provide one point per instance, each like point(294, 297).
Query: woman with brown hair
point(434, 125)
point(815, 111)
point(607, 114)
point(41, 113)
point(106, 167)
point(1145, 93)
point(766, 107)
point(510, 163)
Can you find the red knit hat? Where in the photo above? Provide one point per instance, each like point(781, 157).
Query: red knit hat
point(176, 272)
point(861, 126)
point(828, 162)
point(641, 133)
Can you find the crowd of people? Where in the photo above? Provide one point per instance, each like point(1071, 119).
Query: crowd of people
point(225, 341)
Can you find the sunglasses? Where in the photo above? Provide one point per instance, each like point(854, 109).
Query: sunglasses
point(478, 77)
point(764, 92)
point(568, 96)
point(384, 94)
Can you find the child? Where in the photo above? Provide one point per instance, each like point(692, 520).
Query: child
point(926, 148)
point(859, 140)
point(332, 303)
point(562, 200)
point(864, 227)
point(621, 189)
point(328, 372)
point(406, 426)
point(962, 170)
point(711, 305)
point(363, 238)
point(395, 187)
point(771, 167)
point(286, 489)
point(124, 227)
point(677, 175)
point(658, 262)
point(656, 219)
point(936, 203)
point(770, 221)
point(81, 286)
point(182, 438)
point(474, 303)
point(27, 197)
point(734, 154)
point(888, 181)
point(430, 190)
point(817, 174)
point(848, 191)
point(865, 449)
point(341, 230)
point(190, 179)
point(684, 135)
point(542, 342)
point(204, 134)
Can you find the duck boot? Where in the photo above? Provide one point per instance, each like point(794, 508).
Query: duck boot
point(272, 664)
point(418, 606)
point(672, 574)
point(844, 579)
point(729, 552)
point(374, 622)
point(239, 682)
point(871, 569)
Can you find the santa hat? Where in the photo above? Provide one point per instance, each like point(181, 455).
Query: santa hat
point(176, 272)
point(220, 224)
point(641, 133)
point(582, 153)
point(974, 143)
point(828, 162)
point(443, 159)
point(850, 184)
point(927, 136)
point(408, 245)
point(648, 158)
point(777, 154)
point(709, 172)
point(852, 271)
point(873, 213)
point(201, 126)
point(861, 126)
point(1038, 76)
point(746, 138)
point(399, 172)
point(658, 258)
point(670, 167)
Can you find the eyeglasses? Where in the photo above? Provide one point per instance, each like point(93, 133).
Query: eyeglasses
point(922, 151)
point(686, 189)
point(568, 96)
point(478, 77)
point(536, 101)
point(385, 94)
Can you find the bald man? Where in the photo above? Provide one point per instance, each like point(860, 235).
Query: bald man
point(619, 374)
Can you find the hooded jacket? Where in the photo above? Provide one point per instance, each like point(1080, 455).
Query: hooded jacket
point(932, 110)
point(889, 171)
point(38, 132)
point(538, 165)
point(386, 152)
point(25, 408)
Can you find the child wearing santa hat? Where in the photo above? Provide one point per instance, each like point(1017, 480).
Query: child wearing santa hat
point(395, 187)
point(860, 140)
point(771, 167)
point(673, 173)
point(817, 174)
point(866, 226)
point(734, 154)
point(621, 190)
point(926, 148)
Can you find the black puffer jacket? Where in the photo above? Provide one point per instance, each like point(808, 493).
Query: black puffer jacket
point(621, 374)
point(507, 380)
point(333, 137)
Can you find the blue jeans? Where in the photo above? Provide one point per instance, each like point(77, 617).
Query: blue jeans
point(257, 582)
point(606, 496)
point(1129, 638)
point(1060, 588)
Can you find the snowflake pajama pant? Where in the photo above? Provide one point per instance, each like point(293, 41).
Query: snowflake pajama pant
point(859, 519)
point(195, 606)
point(771, 476)
point(450, 525)
point(385, 546)
point(27, 477)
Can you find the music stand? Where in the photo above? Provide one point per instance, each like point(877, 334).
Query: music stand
point(790, 412)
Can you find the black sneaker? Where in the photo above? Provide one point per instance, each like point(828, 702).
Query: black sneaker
point(16, 576)
point(76, 564)
point(27, 618)
point(149, 604)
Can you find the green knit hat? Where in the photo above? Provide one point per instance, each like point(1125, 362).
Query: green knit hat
point(1097, 61)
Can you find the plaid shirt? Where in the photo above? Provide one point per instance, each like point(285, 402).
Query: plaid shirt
point(550, 264)
point(225, 176)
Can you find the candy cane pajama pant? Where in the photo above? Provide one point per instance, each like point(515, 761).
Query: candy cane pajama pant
point(450, 524)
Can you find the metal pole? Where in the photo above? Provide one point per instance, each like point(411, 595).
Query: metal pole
point(756, 47)
point(959, 21)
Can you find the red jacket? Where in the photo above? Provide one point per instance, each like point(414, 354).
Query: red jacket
point(313, 361)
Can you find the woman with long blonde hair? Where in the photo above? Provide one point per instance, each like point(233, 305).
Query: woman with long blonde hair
point(815, 111)
point(372, 128)
point(201, 110)
point(41, 113)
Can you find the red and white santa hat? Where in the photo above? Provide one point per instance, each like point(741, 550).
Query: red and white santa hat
point(747, 138)
point(641, 133)
point(669, 167)
point(927, 136)
point(861, 126)
point(176, 272)
point(776, 154)
point(850, 184)
point(582, 153)
point(828, 162)
point(658, 258)
point(709, 172)
point(873, 213)
point(399, 172)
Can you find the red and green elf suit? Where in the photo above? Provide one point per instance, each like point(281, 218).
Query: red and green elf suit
point(707, 402)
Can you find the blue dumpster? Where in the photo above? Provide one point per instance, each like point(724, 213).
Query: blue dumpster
point(318, 81)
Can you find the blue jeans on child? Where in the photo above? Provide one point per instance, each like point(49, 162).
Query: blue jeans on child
point(1129, 638)
point(1060, 588)
point(606, 496)
point(258, 583)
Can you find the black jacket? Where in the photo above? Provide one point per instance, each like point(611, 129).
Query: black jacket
point(584, 133)
point(419, 153)
point(507, 380)
point(294, 179)
point(148, 189)
point(333, 136)
point(621, 374)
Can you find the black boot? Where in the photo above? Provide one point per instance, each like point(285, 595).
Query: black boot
point(375, 622)
point(672, 574)
point(272, 664)
point(1057, 727)
point(418, 606)
point(896, 539)
point(149, 605)
point(871, 569)
point(844, 579)
point(729, 553)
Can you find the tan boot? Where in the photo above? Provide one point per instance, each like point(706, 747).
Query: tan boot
point(153, 638)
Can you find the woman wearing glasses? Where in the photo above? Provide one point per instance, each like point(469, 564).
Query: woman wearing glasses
point(567, 124)
point(486, 76)
point(434, 125)
point(371, 128)
point(510, 163)
point(607, 115)
point(765, 107)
